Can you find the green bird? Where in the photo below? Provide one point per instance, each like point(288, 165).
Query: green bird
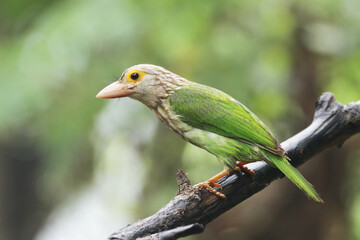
point(209, 119)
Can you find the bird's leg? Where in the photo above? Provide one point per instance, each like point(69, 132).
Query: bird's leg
point(242, 167)
point(211, 183)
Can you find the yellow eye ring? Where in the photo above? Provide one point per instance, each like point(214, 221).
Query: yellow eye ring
point(134, 76)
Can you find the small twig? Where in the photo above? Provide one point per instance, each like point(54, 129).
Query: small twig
point(184, 184)
point(333, 123)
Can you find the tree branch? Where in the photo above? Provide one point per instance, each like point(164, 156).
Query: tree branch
point(191, 209)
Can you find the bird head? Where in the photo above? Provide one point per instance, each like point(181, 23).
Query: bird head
point(144, 82)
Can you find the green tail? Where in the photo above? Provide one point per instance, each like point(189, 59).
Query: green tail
point(295, 176)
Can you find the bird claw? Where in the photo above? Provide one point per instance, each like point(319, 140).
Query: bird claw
point(242, 167)
point(209, 186)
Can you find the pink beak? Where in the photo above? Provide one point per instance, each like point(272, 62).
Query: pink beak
point(115, 90)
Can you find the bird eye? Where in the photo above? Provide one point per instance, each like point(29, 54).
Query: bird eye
point(134, 76)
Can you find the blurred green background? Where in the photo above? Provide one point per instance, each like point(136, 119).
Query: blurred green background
point(76, 167)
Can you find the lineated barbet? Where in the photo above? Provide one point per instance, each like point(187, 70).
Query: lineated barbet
point(207, 118)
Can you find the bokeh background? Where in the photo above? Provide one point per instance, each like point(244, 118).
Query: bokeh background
point(76, 167)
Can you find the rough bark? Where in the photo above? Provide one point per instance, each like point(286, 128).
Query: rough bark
point(191, 209)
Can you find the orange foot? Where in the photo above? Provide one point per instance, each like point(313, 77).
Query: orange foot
point(211, 183)
point(209, 186)
point(241, 166)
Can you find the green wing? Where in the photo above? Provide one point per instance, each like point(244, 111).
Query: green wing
point(212, 110)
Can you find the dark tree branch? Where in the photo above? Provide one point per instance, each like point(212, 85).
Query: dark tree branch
point(176, 232)
point(191, 209)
